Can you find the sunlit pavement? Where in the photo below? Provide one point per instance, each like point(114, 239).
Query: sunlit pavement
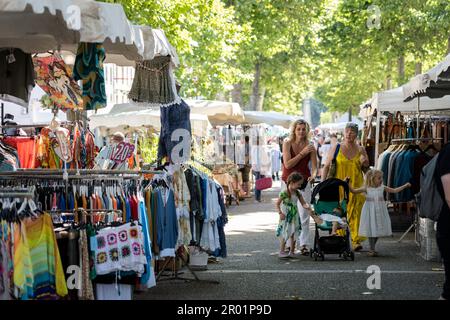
point(253, 270)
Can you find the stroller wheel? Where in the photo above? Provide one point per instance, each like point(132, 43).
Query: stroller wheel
point(352, 256)
point(315, 255)
point(322, 257)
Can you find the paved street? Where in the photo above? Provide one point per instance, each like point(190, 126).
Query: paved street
point(253, 270)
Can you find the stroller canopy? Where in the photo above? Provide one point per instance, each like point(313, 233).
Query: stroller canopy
point(328, 190)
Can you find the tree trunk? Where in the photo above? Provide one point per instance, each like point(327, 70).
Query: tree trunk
point(448, 45)
point(254, 98)
point(401, 70)
point(236, 94)
point(418, 68)
point(389, 76)
point(260, 100)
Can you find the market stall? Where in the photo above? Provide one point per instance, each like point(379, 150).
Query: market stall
point(392, 101)
point(431, 84)
point(59, 165)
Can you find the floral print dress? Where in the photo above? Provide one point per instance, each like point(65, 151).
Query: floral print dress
point(291, 224)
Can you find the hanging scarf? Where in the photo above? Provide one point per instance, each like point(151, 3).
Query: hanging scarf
point(55, 78)
point(89, 68)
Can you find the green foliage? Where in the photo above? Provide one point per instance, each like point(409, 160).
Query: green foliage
point(324, 48)
point(205, 35)
point(148, 146)
point(356, 57)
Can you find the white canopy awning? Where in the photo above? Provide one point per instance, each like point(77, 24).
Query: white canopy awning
point(218, 112)
point(37, 26)
point(339, 126)
point(136, 116)
point(270, 118)
point(420, 83)
point(392, 101)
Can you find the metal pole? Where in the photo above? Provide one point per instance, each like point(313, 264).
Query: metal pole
point(377, 137)
point(418, 117)
point(3, 115)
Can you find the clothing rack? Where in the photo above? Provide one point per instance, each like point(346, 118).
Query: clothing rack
point(8, 126)
point(416, 139)
point(84, 171)
point(84, 174)
point(16, 194)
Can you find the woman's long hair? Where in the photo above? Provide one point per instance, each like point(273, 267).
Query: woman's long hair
point(294, 125)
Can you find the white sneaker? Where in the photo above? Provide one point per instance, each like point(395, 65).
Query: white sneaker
point(283, 255)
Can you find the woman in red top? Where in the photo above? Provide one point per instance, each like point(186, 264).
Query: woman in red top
point(298, 152)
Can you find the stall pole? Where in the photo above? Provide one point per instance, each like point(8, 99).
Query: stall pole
point(3, 115)
point(418, 117)
point(377, 137)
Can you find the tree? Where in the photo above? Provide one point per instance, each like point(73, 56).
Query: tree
point(359, 57)
point(205, 35)
point(281, 41)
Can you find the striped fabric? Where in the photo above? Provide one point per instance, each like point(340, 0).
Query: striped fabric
point(38, 271)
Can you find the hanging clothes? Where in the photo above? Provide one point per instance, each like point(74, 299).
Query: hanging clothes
point(38, 271)
point(120, 249)
point(55, 78)
point(16, 76)
point(89, 68)
point(9, 159)
point(26, 150)
point(182, 198)
point(167, 222)
point(154, 83)
point(174, 117)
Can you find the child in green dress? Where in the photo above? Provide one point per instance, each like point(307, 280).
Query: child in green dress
point(289, 226)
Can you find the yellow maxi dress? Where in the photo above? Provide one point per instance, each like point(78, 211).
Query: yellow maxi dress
point(352, 168)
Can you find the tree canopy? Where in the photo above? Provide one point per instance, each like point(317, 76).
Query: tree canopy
point(280, 52)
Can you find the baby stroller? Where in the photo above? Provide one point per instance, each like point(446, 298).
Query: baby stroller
point(328, 200)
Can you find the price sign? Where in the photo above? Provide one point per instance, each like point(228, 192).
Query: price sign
point(122, 152)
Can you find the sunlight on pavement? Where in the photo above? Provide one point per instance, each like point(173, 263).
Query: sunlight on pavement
point(251, 222)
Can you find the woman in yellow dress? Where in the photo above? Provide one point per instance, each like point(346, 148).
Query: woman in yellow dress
point(349, 162)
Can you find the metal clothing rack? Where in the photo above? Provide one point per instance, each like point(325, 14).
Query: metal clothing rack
point(16, 194)
point(416, 139)
point(84, 174)
point(175, 273)
point(8, 126)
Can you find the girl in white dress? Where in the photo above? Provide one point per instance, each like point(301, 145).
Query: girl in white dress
point(375, 221)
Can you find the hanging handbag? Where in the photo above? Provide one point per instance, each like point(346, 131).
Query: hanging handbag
point(263, 183)
point(332, 171)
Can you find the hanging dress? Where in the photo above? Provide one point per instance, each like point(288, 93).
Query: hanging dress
point(352, 168)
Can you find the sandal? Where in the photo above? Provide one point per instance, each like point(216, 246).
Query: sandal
point(304, 251)
point(372, 253)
